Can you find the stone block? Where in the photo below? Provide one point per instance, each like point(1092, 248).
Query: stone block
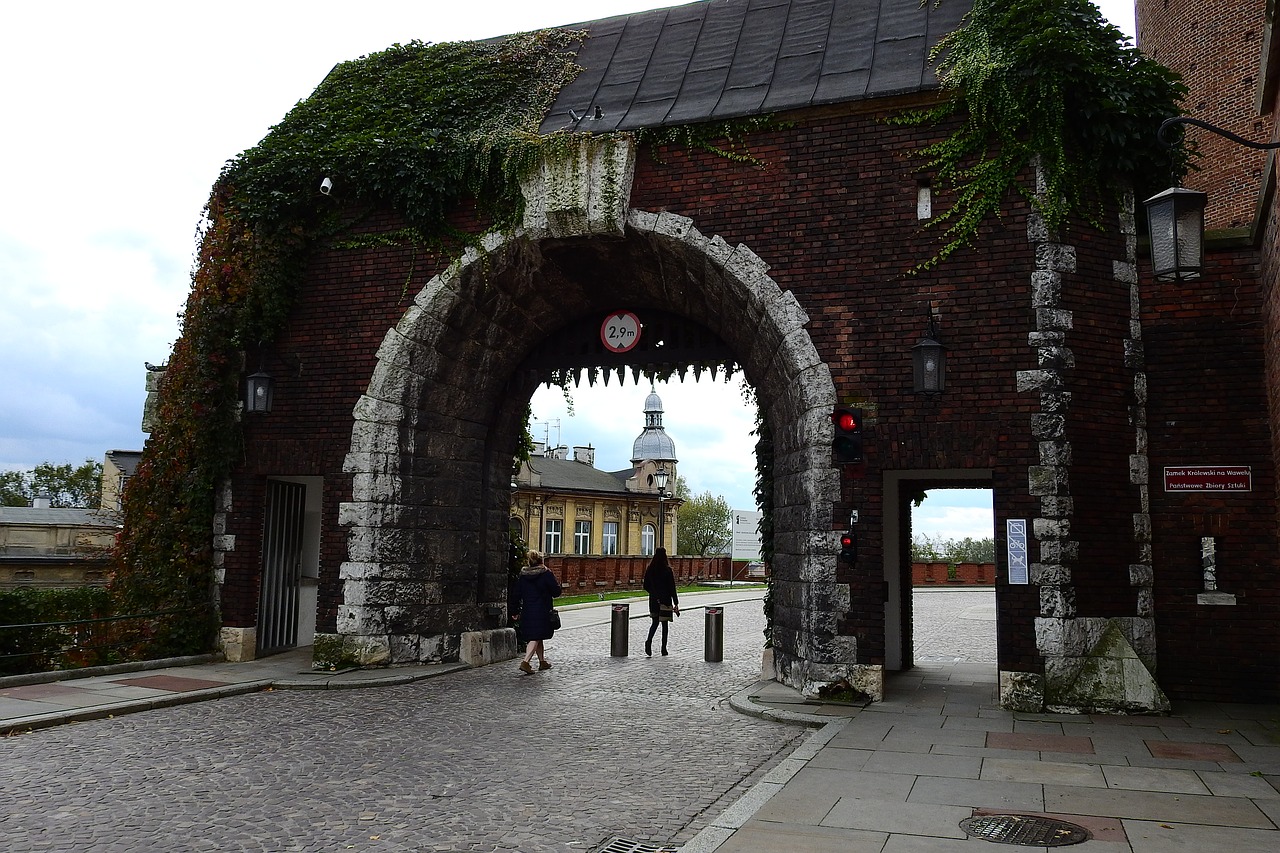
point(225, 542)
point(238, 645)
point(1056, 257)
point(1138, 469)
point(1053, 319)
point(481, 648)
point(1055, 453)
point(1022, 691)
point(1046, 288)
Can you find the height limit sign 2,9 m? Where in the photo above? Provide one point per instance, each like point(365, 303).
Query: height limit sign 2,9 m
point(620, 331)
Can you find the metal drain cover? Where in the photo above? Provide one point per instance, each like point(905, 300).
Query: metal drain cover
point(627, 845)
point(1027, 830)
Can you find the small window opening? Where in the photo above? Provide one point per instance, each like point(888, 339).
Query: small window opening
point(924, 199)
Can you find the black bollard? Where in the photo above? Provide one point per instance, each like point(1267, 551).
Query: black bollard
point(619, 630)
point(713, 642)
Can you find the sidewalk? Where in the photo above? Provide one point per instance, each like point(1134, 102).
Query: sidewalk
point(898, 776)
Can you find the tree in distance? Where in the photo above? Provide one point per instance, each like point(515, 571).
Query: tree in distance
point(64, 485)
point(702, 525)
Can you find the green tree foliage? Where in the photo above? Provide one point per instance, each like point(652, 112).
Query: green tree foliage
point(64, 485)
point(925, 549)
point(1046, 79)
point(13, 488)
point(703, 525)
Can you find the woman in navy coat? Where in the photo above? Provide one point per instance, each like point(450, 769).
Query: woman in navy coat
point(534, 591)
point(660, 583)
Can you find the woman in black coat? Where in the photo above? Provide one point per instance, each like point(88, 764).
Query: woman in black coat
point(534, 591)
point(660, 583)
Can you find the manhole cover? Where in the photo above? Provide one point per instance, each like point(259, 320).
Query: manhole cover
point(627, 845)
point(1025, 829)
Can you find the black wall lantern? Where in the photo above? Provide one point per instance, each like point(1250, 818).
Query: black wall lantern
point(1175, 217)
point(929, 363)
point(258, 388)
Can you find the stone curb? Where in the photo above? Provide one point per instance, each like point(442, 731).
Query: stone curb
point(106, 669)
point(744, 703)
point(133, 706)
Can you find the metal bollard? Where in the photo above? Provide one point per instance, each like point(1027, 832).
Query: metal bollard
point(619, 630)
point(713, 642)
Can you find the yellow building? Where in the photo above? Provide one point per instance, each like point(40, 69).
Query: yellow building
point(568, 506)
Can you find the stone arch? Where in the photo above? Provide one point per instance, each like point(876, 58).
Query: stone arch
point(434, 433)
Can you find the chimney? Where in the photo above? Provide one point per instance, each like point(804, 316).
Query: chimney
point(41, 502)
point(561, 452)
point(585, 455)
point(539, 449)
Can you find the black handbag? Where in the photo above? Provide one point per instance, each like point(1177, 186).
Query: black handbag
point(555, 619)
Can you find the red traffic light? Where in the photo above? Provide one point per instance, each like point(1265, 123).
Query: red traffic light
point(845, 420)
point(846, 444)
point(849, 546)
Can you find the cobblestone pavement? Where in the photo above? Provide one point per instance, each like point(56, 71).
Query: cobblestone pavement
point(954, 625)
point(481, 760)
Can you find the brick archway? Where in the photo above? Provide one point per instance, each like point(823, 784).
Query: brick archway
point(435, 431)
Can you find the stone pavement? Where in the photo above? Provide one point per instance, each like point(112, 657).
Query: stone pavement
point(634, 754)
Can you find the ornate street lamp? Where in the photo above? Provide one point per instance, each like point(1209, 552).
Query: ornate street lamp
point(660, 477)
point(1175, 217)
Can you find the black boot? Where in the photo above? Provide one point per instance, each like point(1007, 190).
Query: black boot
point(648, 647)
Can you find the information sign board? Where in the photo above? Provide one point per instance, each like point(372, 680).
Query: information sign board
point(1208, 478)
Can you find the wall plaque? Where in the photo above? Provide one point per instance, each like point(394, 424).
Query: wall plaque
point(1208, 478)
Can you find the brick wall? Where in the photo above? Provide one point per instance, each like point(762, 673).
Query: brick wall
point(953, 574)
point(832, 211)
point(1216, 47)
point(582, 574)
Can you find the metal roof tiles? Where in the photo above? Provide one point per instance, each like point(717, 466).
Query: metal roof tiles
point(724, 59)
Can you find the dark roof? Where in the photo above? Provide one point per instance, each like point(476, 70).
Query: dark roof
point(568, 475)
point(55, 516)
point(125, 460)
point(723, 59)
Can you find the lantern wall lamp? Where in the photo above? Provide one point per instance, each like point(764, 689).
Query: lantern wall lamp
point(1175, 217)
point(929, 362)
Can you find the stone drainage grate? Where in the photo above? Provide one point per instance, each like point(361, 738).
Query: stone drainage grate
point(1026, 830)
point(627, 845)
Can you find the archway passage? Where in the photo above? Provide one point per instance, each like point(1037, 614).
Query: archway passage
point(435, 433)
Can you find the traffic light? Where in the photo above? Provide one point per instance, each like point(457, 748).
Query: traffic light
point(849, 546)
point(847, 443)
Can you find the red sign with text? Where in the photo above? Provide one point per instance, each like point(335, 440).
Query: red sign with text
point(1208, 478)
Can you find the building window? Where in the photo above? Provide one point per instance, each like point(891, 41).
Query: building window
point(646, 540)
point(924, 200)
point(609, 538)
point(582, 537)
point(553, 536)
point(517, 526)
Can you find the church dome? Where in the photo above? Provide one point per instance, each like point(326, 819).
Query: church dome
point(653, 444)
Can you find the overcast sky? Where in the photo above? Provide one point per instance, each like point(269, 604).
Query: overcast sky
point(118, 117)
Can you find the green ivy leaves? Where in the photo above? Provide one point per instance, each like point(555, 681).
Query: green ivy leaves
point(1046, 79)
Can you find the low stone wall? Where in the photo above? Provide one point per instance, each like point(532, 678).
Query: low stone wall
point(579, 574)
point(953, 574)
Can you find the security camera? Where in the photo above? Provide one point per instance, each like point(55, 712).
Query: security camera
point(326, 186)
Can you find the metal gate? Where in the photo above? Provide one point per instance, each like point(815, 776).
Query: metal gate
point(281, 566)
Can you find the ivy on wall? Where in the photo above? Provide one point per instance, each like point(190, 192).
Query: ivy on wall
point(421, 128)
point(1046, 80)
